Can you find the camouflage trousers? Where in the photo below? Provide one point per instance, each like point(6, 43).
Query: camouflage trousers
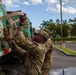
point(46, 72)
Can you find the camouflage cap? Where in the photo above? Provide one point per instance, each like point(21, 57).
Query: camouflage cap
point(47, 31)
point(43, 33)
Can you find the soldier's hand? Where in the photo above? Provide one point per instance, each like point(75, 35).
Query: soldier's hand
point(12, 41)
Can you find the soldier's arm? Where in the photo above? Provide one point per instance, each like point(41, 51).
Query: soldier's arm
point(21, 34)
point(20, 50)
point(48, 58)
point(50, 44)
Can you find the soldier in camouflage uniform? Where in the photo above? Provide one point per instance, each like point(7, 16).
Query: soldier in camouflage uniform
point(26, 25)
point(48, 57)
point(35, 53)
point(19, 35)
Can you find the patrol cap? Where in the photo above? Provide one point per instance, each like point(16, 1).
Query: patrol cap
point(43, 33)
point(47, 31)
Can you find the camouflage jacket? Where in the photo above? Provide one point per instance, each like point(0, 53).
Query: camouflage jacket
point(26, 28)
point(34, 56)
point(19, 36)
point(48, 58)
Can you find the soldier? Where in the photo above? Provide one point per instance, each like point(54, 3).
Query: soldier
point(35, 53)
point(26, 25)
point(19, 35)
point(48, 57)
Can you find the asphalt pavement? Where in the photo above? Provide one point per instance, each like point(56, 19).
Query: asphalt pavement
point(62, 63)
point(61, 60)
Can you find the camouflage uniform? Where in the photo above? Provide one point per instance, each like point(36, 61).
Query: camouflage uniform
point(19, 36)
point(26, 28)
point(48, 59)
point(26, 25)
point(34, 56)
point(48, 56)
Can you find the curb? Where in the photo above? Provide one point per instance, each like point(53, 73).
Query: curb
point(65, 52)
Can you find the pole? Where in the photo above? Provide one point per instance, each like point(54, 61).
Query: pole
point(62, 45)
point(61, 18)
point(63, 71)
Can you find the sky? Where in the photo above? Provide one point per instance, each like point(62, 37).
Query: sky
point(39, 10)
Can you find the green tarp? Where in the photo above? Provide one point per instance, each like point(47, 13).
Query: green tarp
point(2, 14)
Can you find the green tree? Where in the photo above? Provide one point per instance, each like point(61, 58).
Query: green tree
point(73, 30)
point(44, 24)
point(50, 21)
point(52, 28)
point(57, 22)
point(65, 28)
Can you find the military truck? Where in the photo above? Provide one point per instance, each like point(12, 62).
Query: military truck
point(8, 19)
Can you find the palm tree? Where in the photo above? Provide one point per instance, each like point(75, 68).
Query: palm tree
point(44, 24)
point(50, 20)
point(57, 22)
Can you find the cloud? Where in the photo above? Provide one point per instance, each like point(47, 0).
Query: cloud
point(65, 10)
point(69, 10)
point(69, 6)
point(72, 2)
point(51, 9)
point(15, 3)
point(11, 3)
point(69, 2)
point(51, 1)
point(26, 3)
point(35, 2)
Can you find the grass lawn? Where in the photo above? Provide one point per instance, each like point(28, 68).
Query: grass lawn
point(67, 50)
